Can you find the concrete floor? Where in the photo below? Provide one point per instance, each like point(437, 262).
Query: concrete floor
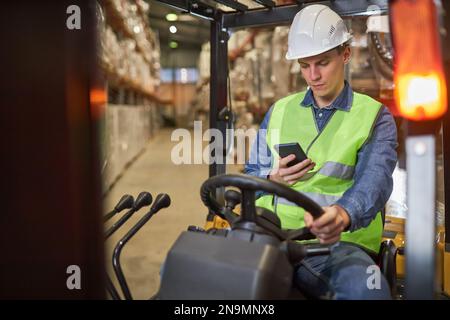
point(153, 171)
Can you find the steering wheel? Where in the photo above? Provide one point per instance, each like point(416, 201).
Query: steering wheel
point(248, 185)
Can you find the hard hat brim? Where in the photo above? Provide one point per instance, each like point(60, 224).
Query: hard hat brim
point(316, 52)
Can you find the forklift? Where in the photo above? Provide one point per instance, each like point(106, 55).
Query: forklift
point(413, 251)
point(51, 177)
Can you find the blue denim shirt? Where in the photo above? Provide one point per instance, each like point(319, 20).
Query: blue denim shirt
point(373, 172)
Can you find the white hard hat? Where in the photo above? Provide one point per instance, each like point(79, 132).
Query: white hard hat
point(315, 29)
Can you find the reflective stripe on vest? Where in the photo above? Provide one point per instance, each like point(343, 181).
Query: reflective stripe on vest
point(333, 169)
point(323, 200)
point(335, 152)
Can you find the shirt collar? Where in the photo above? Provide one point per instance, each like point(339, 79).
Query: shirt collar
point(342, 102)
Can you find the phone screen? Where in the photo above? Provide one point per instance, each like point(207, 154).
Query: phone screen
point(285, 149)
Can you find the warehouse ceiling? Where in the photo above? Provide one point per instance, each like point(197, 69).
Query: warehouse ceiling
point(191, 33)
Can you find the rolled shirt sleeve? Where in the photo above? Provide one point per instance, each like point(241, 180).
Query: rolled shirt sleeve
point(260, 160)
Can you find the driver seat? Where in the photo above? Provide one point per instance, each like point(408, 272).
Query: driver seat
point(386, 260)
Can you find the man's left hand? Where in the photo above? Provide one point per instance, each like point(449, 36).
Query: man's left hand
point(329, 226)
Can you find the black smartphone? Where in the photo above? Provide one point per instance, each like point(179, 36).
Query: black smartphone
point(285, 149)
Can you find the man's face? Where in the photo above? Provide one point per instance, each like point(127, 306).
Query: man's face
point(324, 73)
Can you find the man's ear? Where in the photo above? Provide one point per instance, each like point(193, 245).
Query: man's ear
point(347, 54)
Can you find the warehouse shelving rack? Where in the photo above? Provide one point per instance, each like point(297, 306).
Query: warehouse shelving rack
point(129, 89)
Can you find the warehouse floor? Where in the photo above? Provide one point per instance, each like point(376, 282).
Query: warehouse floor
point(153, 171)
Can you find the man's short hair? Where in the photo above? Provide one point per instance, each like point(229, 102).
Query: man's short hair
point(342, 47)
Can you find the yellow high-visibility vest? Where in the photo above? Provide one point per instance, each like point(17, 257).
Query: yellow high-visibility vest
point(334, 150)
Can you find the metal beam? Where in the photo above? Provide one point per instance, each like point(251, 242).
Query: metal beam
point(195, 7)
point(445, 42)
point(420, 223)
point(266, 3)
point(218, 99)
point(191, 23)
point(446, 141)
point(234, 4)
point(218, 88)
point(55, 110)
point(182, 5)
point(285, 14)
point(446, 164)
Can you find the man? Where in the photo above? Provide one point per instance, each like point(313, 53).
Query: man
point(350, 140)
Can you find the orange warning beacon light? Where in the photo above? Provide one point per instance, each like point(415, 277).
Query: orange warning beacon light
point(420, 88)
point(98, 99)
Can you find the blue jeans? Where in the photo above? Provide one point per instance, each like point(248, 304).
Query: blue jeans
point(348, 273)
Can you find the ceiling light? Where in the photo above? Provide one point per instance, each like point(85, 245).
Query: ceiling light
point(171, 17)
point(173, 29)
point(173, 44)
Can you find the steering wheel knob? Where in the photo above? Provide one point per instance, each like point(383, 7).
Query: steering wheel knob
point(232, 198)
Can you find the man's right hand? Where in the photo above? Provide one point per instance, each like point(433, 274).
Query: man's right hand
point(290, 175)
